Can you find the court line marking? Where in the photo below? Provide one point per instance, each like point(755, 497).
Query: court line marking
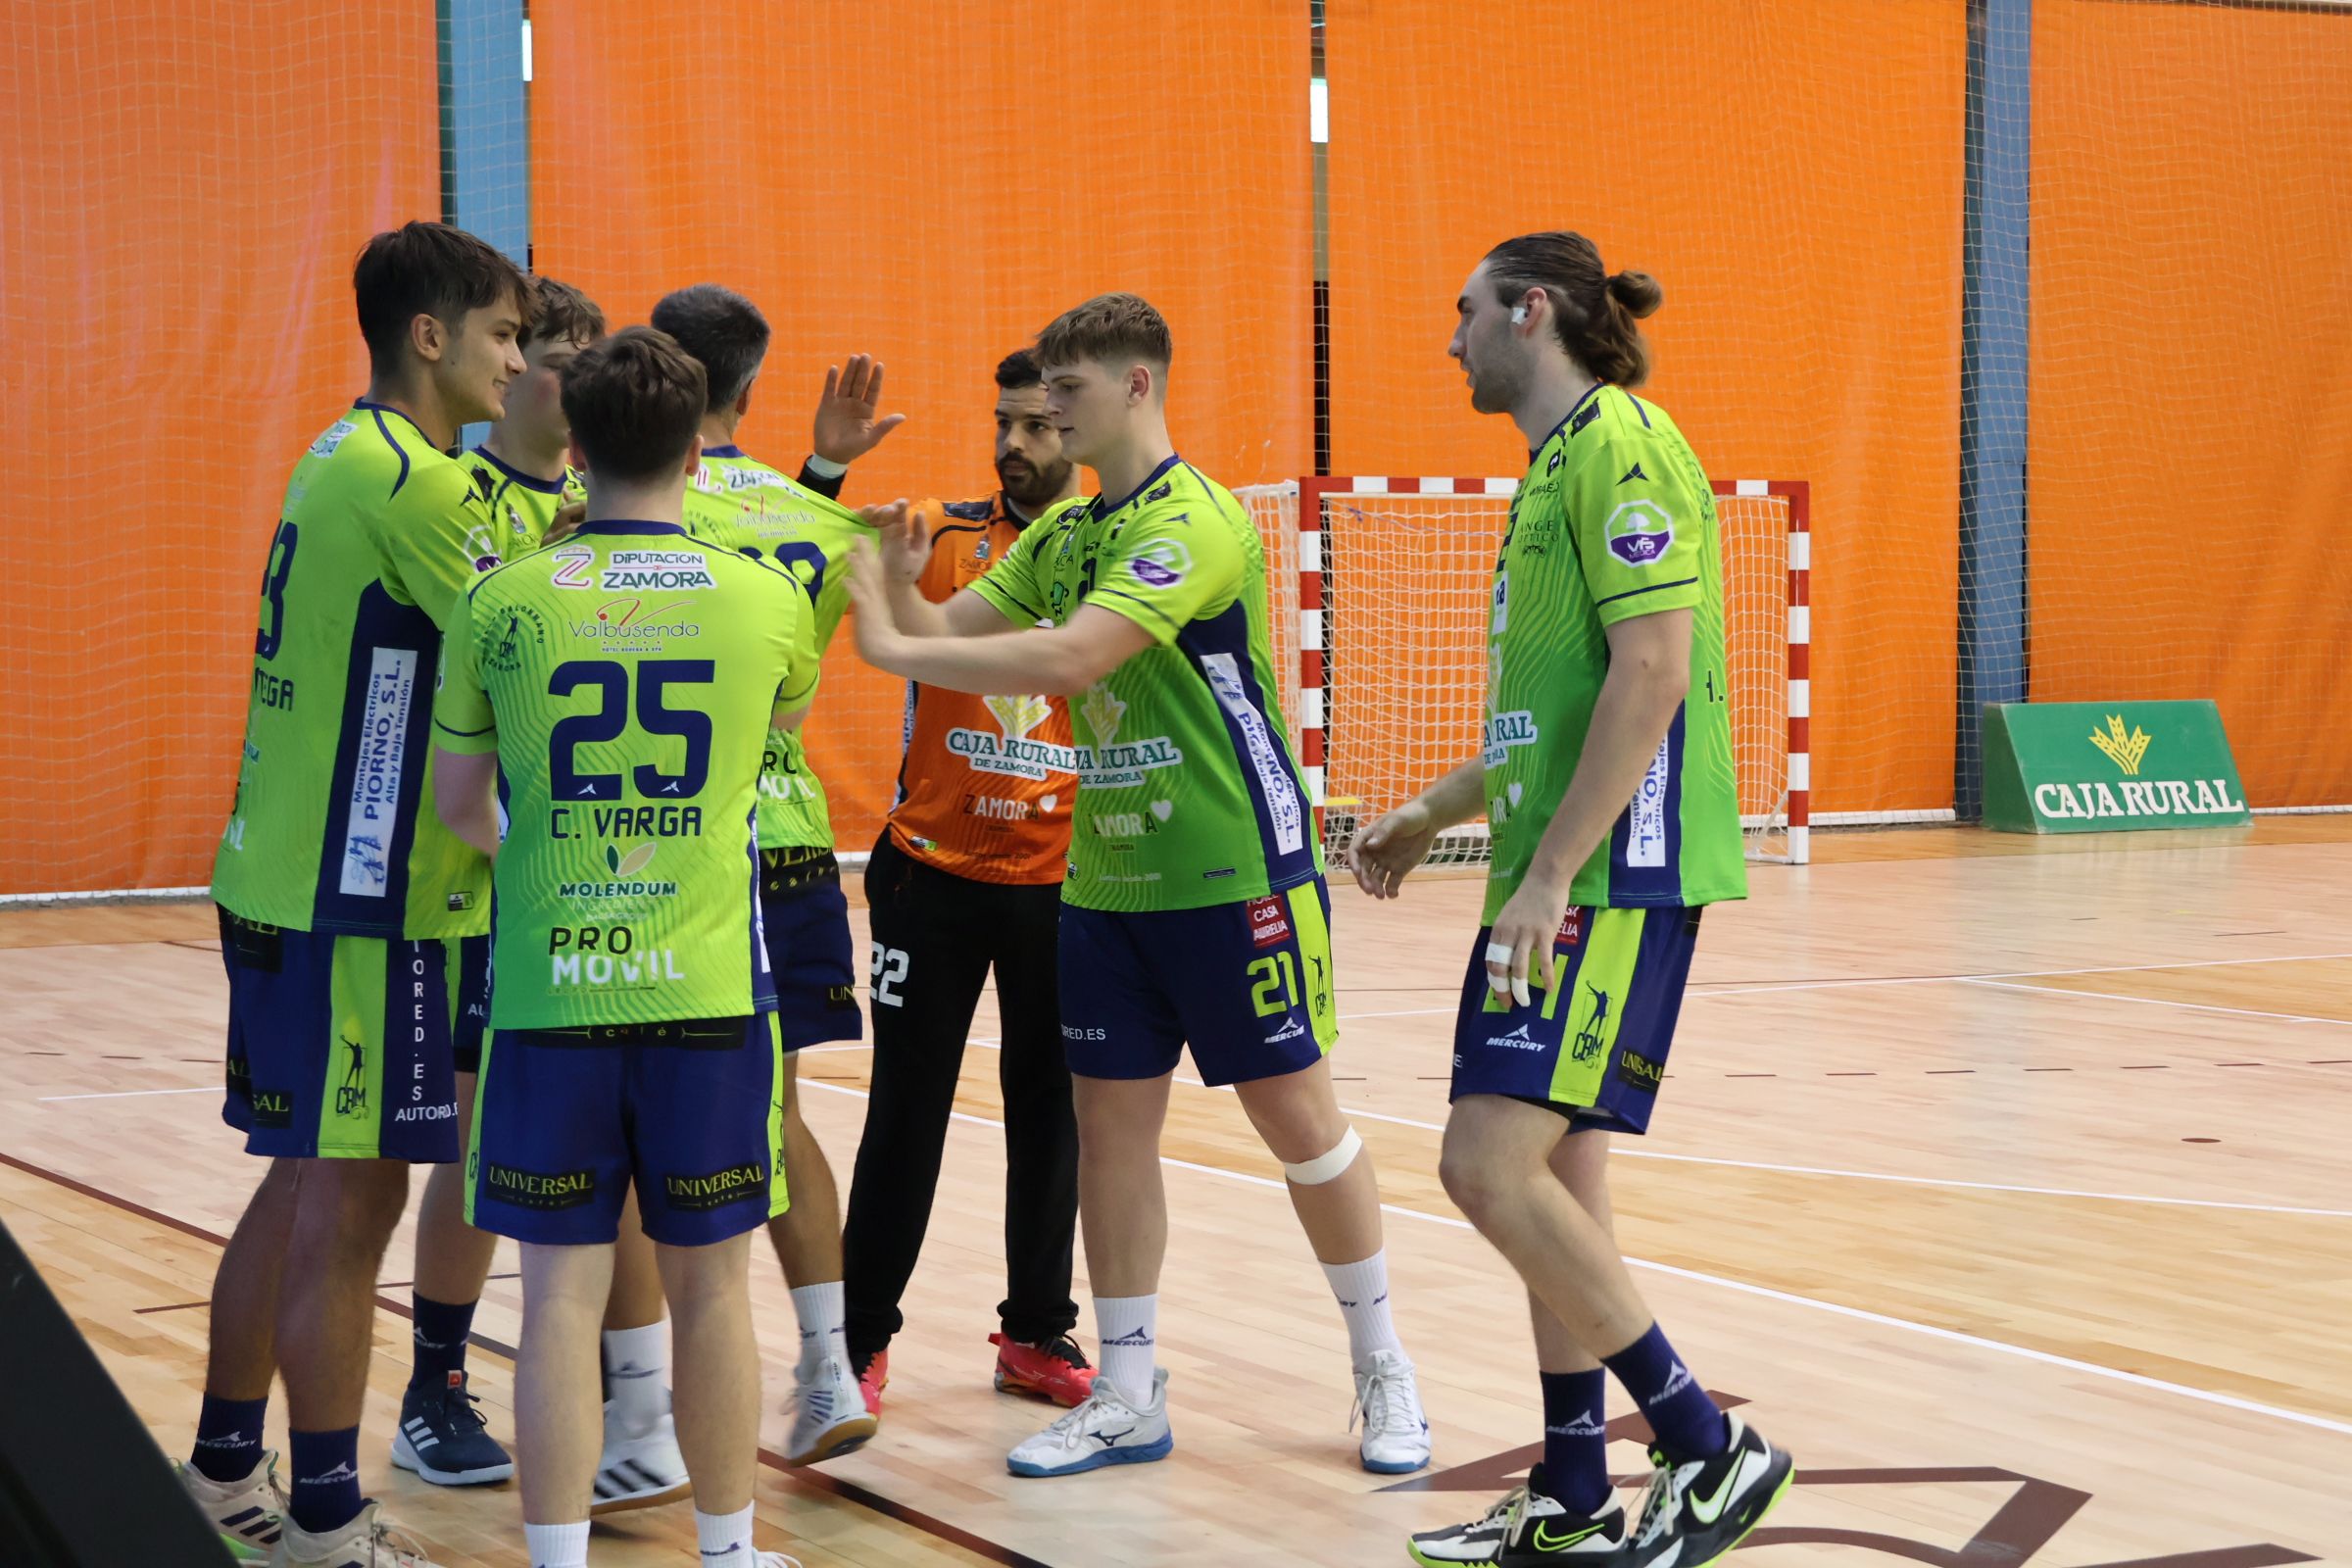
point(1861, 1314)
point(849, 1491)
point(1871, 1175)
point(132, 1093)
point(1630, 1153)
point(2159, 1002)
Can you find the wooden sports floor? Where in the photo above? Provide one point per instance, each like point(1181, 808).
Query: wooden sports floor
point(2004, 1181)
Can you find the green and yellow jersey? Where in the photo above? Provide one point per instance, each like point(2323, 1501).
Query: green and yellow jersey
point(1187, 792)
point(522, 505)
point(625, 678)
point(1614, 519)
point(740, 504)
point(332, 829)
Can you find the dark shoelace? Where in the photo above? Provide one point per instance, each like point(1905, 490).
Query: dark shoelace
point(1066, 1349)
point(459, 1404)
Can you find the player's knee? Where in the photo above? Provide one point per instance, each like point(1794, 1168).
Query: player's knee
point(1474, 1179)
point(1328, 1166)
point(371, 1196)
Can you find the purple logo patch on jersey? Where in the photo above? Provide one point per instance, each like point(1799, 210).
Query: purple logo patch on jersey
point(1640, 532)
point(1161, 564)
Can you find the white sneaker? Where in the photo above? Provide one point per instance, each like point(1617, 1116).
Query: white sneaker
point(776, 1559)
point(365, 1542)
point(1389, 1401)
point(641, 1469)
point(1533, 1527)
point(1105, 1430)
point(828, 1413)
point(247, 1513)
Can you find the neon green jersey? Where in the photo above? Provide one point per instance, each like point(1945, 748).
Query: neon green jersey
point(1614, 519)
point(742, 504)
point(626, 677)
point(1187, 793)
point(521, 505)
point(333, 827)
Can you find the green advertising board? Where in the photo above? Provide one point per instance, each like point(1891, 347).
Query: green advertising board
point(2103, 768)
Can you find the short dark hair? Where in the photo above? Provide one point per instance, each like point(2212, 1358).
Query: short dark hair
point(431, 270)
point(1594, 310)
point(1019, 369)
point(634, 402)
point(1106, 327)
point(719, 327)
point(564, 315)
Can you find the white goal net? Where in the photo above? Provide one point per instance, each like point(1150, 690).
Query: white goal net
point(1379, 600)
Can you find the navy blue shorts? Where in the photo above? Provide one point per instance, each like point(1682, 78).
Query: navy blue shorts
point(1248, 985)
point(566, 1119)
point(805, 918)
point(1595, 1049)
point(339, 1047)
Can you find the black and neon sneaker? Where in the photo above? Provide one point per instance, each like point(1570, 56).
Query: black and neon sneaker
point(1695, 1512)
point(1528, 1528)
point(444, 1439)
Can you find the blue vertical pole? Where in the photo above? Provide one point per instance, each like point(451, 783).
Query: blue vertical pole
point(485, 146)
point(1995, 317)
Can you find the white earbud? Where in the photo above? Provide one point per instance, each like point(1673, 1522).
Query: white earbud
point(1518, 314)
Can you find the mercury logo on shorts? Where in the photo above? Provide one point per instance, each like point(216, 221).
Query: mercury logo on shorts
point(1519, 1039)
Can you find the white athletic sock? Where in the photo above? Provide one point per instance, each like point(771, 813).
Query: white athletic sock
point(725, 1538)
point(556, 1545)
point(824, 1316)
point(637, 1372)
point(1363, 1292)
point(1126, 1332)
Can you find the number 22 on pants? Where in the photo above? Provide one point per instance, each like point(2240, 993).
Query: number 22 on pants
point(889, 968)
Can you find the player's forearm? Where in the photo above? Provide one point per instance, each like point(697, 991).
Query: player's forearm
point(462, 795)
point(1629, 718)
point(916, 616)
point(1020, 662)
point(1457, 797)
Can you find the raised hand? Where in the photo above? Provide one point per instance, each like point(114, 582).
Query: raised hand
point(847, 426)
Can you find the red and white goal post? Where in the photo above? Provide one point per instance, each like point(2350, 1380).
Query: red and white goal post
point(1379, 592)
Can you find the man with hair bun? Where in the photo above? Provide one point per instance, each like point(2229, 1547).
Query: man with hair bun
point(1605, 776)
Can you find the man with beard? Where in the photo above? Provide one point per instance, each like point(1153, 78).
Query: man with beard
point(965, 876)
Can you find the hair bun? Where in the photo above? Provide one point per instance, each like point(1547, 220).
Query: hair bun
point(1637, 292)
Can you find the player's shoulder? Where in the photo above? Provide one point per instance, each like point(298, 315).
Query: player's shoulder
point(513, 577)
point(981, 511)
point(1062, 514)
point(368, 453)
point(1616, 420)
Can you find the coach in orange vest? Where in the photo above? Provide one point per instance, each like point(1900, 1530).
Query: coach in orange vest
point(966, 876)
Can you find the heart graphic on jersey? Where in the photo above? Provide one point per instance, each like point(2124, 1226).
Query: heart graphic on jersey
point(1044, 802)
point(1514, 794)
point(1162, 809)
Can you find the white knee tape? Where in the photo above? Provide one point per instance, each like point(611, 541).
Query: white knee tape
point(1327, 1167)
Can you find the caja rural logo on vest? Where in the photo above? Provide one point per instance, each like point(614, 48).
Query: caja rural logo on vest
point(2131, 795)
point(1010, 752)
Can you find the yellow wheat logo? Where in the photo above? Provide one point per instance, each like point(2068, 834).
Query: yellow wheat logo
point(1019, 715)
point(1104, 710)
point(2124, 750)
